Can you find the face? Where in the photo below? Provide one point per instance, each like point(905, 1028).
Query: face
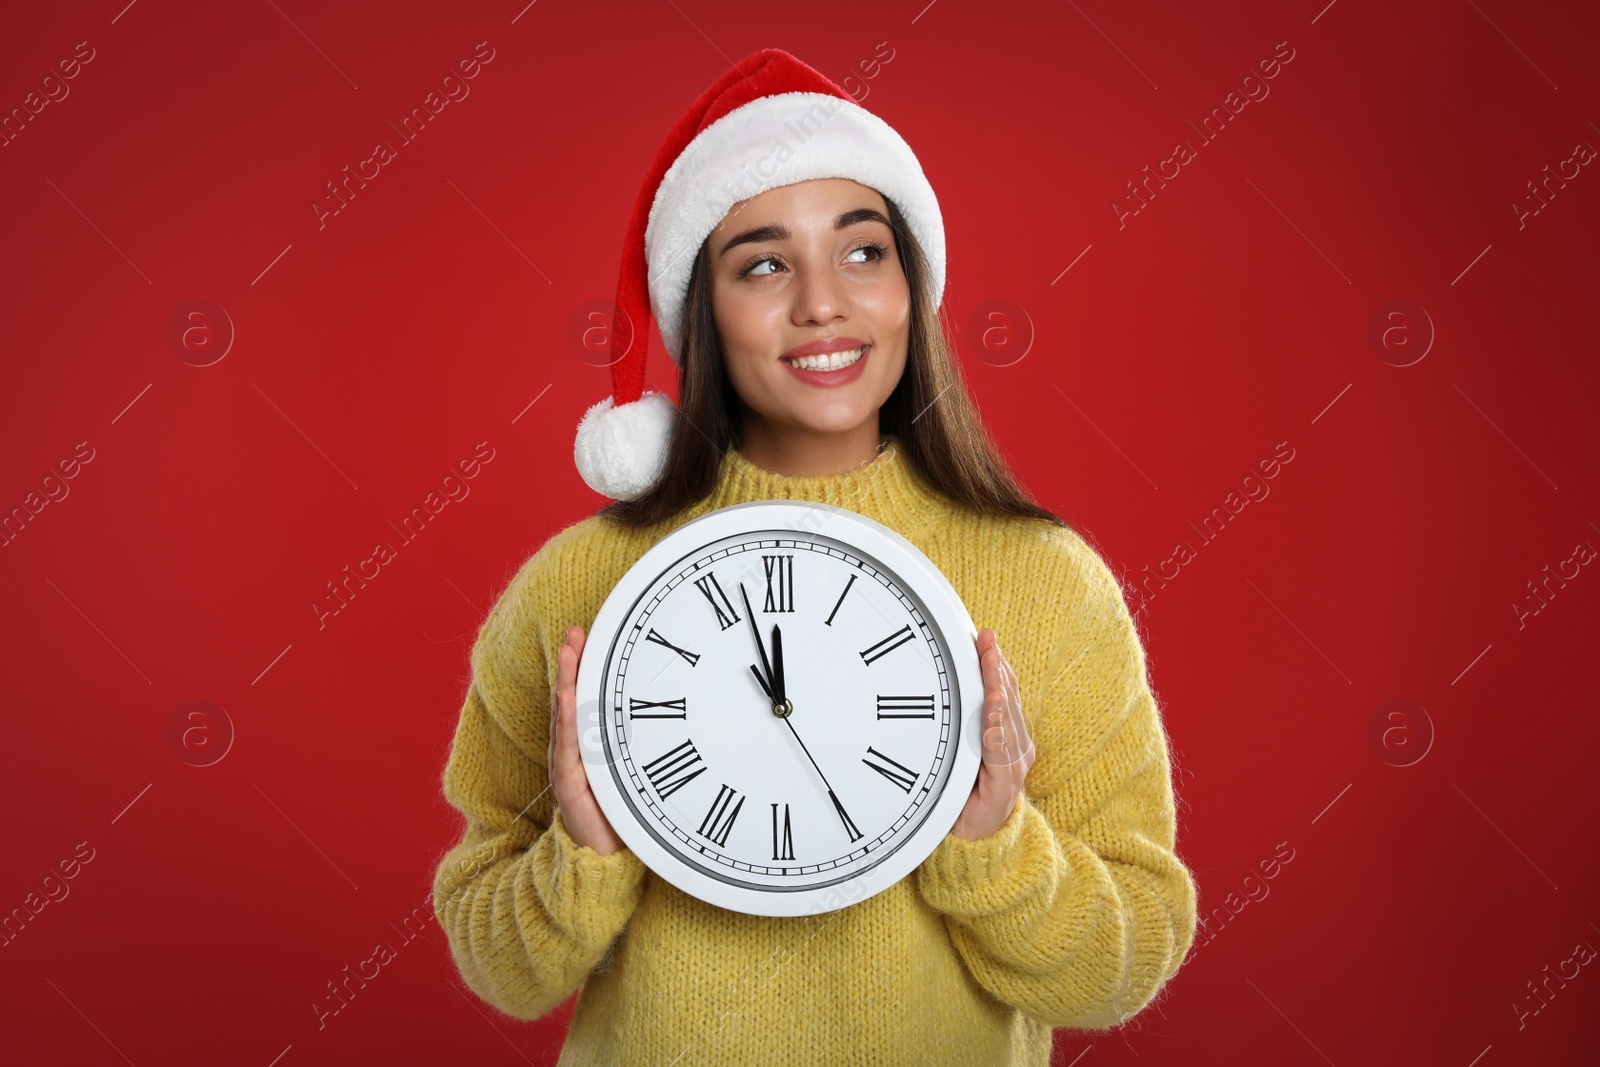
point(813, 264)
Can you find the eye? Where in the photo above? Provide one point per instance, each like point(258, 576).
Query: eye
point(750, 268)
point(879, 251)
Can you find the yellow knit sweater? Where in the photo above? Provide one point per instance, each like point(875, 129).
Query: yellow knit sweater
point(1074, 913)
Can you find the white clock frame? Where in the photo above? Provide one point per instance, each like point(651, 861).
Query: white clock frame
point(814, 523)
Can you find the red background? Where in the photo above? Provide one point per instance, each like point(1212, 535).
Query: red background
point(370, 355)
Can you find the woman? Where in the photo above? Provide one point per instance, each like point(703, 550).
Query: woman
point(814, 366)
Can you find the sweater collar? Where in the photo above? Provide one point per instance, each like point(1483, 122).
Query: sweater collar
point(885, 488)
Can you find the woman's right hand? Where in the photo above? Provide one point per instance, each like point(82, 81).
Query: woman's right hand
point(580, 812)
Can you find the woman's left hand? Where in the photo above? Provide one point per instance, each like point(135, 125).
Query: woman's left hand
point(1007, 749)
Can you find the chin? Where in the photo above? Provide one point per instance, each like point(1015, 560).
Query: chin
point(831, 421)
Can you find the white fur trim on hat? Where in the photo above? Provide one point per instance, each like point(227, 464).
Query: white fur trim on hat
point(620, 451)
point(769, 142)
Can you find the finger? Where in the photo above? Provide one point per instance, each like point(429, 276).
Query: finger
point(989, 663)
point(1002, 704)
point(1019, 746)
point(996, 724)
point(1011, 698)
point(1013, 690)
point(1006, 740)
point(566, 670)
point(555, 708)
point(569, 726)
point(558, 718)
point(994, 710)
point(1008, 675)
point(994, 728)
point(566, 763)
point(564, 665)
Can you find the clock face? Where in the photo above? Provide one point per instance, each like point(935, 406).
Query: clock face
point(762, 811)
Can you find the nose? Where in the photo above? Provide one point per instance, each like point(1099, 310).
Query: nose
point(819, 295)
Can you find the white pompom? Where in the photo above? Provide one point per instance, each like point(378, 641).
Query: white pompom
point(620, 451)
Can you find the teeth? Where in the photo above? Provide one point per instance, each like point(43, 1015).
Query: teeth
point(829, 361)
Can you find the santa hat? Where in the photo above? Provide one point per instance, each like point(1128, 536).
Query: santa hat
point(768, 122)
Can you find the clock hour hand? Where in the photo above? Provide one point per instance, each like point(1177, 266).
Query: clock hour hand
point(762, 682)
point(780, 694)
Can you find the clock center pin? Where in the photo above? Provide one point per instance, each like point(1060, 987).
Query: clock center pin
point(783, 710)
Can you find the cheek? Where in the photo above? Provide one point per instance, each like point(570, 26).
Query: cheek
point(754, 376)
point(888, 306)
point(887, 311)
point(745, 322)
point(891, 370)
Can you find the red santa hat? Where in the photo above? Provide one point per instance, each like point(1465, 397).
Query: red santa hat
point(768, 122)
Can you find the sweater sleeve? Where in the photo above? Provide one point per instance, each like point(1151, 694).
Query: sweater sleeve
point(528, 912)
point(1077, 909)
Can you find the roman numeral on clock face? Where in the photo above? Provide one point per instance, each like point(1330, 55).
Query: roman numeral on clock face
point(719, 820)
point(692, 657)
point(898, 773)
point(887, 645)
point(671, 770)
point(677, 709)
point(718, 600)
point(780, 583)
point(905, 707)
point(786, 851)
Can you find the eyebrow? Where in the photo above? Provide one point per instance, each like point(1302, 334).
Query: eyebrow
point(780, 232)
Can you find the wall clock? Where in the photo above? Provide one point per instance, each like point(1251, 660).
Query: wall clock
point(780, 707)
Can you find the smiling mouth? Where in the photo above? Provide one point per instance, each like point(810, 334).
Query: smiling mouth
point(828, 360)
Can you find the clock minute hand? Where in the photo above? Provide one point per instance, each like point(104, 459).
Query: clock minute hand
point(765, 675)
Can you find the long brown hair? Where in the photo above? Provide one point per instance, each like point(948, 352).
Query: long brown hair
point(930, 411)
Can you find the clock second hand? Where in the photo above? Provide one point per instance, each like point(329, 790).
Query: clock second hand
point(850, 827)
